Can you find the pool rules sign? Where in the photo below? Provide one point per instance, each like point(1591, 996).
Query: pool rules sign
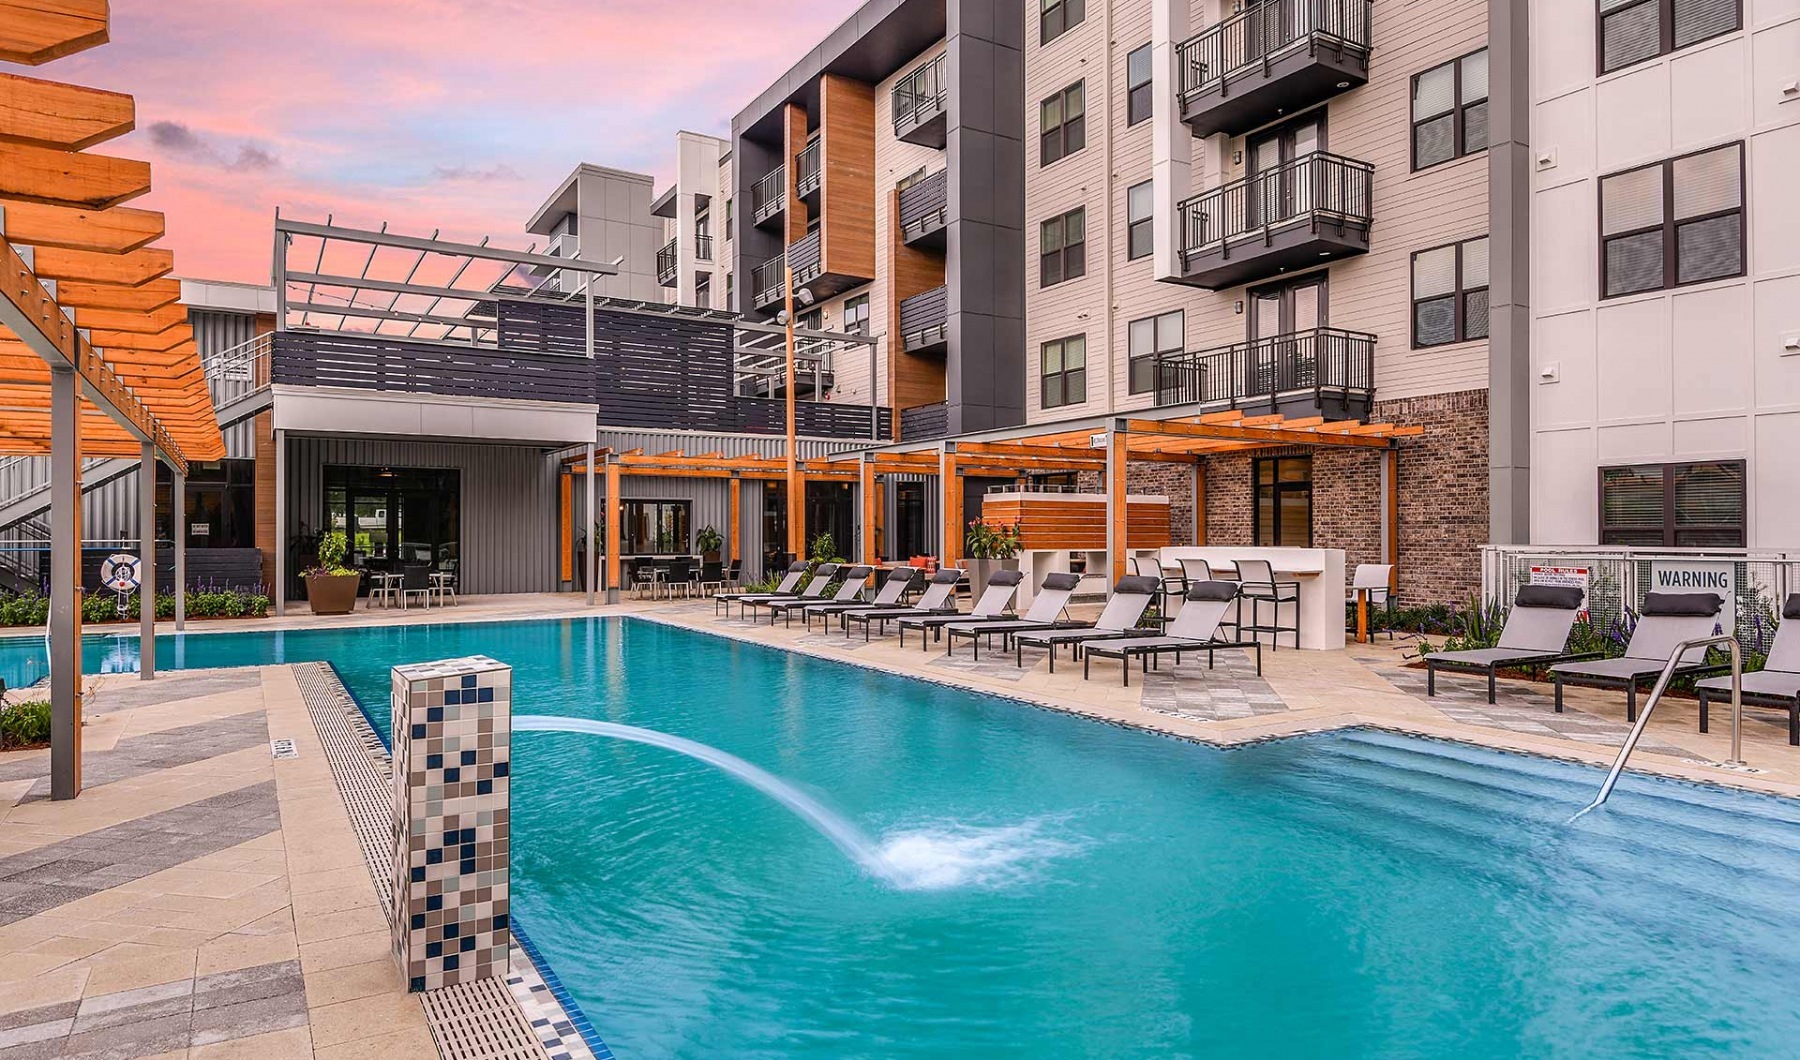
point(1699, 576)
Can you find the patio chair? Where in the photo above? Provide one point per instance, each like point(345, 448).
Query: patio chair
point(1375, 582)
point(734, 575)
point(1129, 600)
point(789, 586)
point(1046, 612)
point(415, 580)
point(1257, 584)
point(1195, 629)
point(939, 598)
point(1777, 684)
point(1668, 619)
point(680, 576)
point(1169, 586)
point(643, 577)
point(995, 598)
point(855, 581)
point(712, 576)
point(1536, 634)
point(893, 590)
point(815, 590)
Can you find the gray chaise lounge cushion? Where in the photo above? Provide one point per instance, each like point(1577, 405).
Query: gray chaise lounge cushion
point(1679, 605)
point(1563, 597)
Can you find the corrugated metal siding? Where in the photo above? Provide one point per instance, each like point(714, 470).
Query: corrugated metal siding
point(624, 439)
point(215, 331)
point(890, 515)
point(750, 525)
point(508, 502)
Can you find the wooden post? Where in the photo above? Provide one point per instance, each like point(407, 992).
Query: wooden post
point(868, 510)
point(733, 518)
point(1117, 507)
point(951, 485)
point(612, 528)
point(1390, 482)
point(1200, 501)
point(565, 535)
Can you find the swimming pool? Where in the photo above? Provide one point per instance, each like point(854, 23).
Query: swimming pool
point(1093, 890)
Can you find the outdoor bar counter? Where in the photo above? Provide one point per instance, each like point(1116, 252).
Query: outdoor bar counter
point(1319, 572)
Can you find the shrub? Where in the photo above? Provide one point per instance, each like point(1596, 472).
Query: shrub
point(24, 725)
point(991, 540)
point(33, 609)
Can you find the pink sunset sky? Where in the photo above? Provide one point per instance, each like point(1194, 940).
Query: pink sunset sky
point(459, 115)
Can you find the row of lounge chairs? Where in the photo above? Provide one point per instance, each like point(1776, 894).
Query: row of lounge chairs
point(935, 616)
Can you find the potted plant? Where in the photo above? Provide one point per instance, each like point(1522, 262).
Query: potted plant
point(709, 541)
point(331, 586)
point(990, 547)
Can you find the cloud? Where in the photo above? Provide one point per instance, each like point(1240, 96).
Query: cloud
point(495, 172)
point(176, 139)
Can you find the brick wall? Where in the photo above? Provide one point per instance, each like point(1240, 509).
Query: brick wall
point(1443, 496)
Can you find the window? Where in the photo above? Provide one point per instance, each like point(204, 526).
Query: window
point(1140, 237)
point(1450, 293)
point(1674, 222)
point(1450, 111)
point(1063, 372)
point(910, 179)
point(1146, 339)
point(856, 315)
point(1138, 94)
point(1283, 513)
point(1634, 30)
point(811, 320)
point(1062, 120)
point(1062, 248)
point(728, 218)
point(1673, 505)
point(654, 528)
point(1057, 17)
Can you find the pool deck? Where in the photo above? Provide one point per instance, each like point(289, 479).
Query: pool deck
point(204, 899)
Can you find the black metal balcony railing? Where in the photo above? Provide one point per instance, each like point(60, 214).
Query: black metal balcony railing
point(703, 248)
point(768, 196)
point(768, 281)
point(804, 257)
point(806, 170)
point(918, 100)
point(925, 318)
point(924, 206)
point(923, 423)
point(666, 260)
point(1325, 361)
point(1312, 190)
point(1246, 44)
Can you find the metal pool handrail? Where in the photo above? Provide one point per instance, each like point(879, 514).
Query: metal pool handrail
point(1656, 694)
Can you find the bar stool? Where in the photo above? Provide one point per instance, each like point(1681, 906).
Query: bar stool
point(1258, 585)
point(1373, 582)
point(1196, 571)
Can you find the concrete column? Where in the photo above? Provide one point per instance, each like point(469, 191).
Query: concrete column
point(1171, 142)
point(280, 586)
point(65, 584)
point(1509, 249)
point(592, 550)
point(178, 501)
point(147, 562)
point(452, 789)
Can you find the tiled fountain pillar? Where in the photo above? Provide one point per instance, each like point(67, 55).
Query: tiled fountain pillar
point(452, 817)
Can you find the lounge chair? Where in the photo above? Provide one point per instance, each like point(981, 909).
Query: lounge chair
point(1195, 629)
point(1668, 619)
point(1777, 684)
point(939, 598)
point(1002, 586)
point(893, 588)
point(856, 579)
point(1117, 620)
point(1536, 634)
point(1045, 613)
point(790, 586)
point(815, 590)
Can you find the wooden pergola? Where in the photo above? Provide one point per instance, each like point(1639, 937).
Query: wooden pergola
point(96, 357)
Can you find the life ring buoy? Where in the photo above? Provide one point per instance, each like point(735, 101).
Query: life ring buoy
point(120, 573)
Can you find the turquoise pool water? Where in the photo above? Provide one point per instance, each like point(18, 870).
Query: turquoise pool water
point(1085, 890)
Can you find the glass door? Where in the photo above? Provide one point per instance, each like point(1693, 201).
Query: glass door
point(1281, 182)
point(1284, 323)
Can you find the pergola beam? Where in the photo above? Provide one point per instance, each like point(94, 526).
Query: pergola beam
point(34, 32)
point(142, 298)
point(63, 178)
point(87, 266)
point(61, 117)
point(119, 230)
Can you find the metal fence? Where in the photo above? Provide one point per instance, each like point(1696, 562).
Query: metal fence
point(1619, 578)
point(1246, 42)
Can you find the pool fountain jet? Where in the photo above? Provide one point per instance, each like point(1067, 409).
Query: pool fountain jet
point(922, 859)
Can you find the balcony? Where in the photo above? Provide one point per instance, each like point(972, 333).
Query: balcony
point(703, 248)
point(925, 320)
point(920, 106)
point(768, 196)
point(1304, 212)
point(924, 423)
point(924, 209)
point(1325, 371)
point(806, 173)
point(666, 260)
point(1275, 58)
point(768, 284)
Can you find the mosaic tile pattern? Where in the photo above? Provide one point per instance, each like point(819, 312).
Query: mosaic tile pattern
point(452, 838)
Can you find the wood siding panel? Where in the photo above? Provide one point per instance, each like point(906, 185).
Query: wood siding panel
point(1078, 524)
point(793, 124)
point(847, 176)
point(265, 493)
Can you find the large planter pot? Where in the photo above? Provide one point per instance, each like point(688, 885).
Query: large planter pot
point(982, 569)
point(332, 594)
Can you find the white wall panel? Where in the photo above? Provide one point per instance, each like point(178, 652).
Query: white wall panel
point(1710, 346)
point(1632, 112)
point(1563, 503)
point(1631, 346)
point(1707, 97)
point(1565, 342)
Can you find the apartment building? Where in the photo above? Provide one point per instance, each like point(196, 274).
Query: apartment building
point(602, 214)
point(1665, 273)
point(886, 169)
point(693, 264)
